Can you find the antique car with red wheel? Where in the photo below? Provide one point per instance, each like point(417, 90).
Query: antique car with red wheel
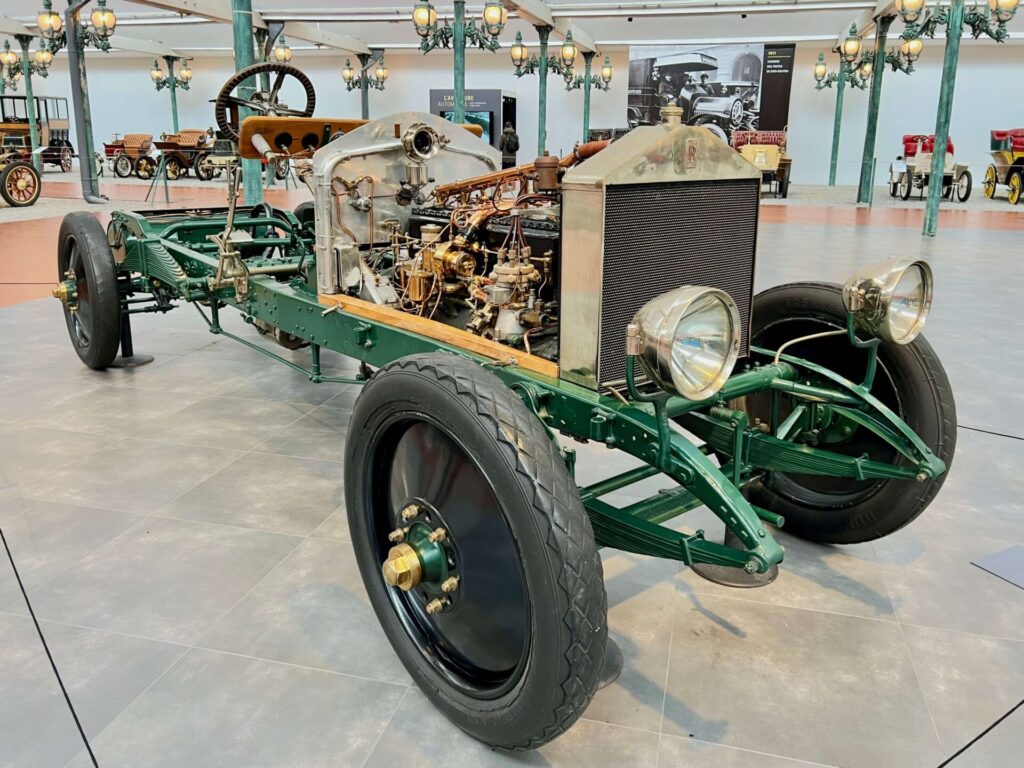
point(1007, 168)
point(20, 185)
point(912, 170)
point(494, 312)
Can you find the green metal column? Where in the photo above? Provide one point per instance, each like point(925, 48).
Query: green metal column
point(364, 85)
point(588, 57)
point(30, 102)
point(840, 88)
point(459, 48)
point(542, 101)
point(867, 160)
point(245, 57)
point(80, 101)
point(173, 85)
point(954, 29)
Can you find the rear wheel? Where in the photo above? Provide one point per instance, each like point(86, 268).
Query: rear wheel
point(910, 380)
point(500, 619)
point(173, 168)
point(203, 169)
point(905, 186)
point(1014, 186)
point(19, 184)
point(123, 166)
point(964, 182)
point(991, 181)
point(66, 157)
point(92, 304)
point(144, 167)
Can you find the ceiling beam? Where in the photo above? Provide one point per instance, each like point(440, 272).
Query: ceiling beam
point(218, 10)
point(123, 43)
point(9, 26)
point(313, 34)
point(533, 11)
point(583, 40)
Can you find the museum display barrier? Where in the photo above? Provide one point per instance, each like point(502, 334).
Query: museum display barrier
point(606, 295)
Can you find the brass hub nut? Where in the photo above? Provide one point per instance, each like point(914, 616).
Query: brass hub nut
point(402, 568)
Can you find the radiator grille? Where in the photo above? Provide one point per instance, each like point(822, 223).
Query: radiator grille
point(660, 236)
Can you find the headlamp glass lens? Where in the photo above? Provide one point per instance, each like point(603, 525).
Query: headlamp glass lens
point(702, 346)
point(907, 303)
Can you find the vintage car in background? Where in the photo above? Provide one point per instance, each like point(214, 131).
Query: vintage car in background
point(766, 150)
point(722, 107)
point(130, 154)
point(184, 151)
point(912, 170)
point(606, 296)
point(1007, 166)
point(52, 125)
point(20, 185)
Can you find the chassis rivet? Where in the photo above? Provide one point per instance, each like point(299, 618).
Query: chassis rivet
point(396, 535)
point(450, 584)
point(761, 533)
point(410, 512)
point(437, 535)
point(436, 605)
point(750, 567)
point(921, 477)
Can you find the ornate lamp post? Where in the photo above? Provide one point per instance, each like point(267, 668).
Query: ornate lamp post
point(542, 65)
point(75, 34)
point(586, 81)
point(456, 36)
point(849, 72)
point(362, 79)
point(990, 21)
point(13, 70)
point(10, 74)
point(172, 82)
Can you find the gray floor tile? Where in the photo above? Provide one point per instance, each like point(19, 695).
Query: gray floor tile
point(114, 410)
point(198, 374)
point(677, 752)
point(231, 422)
point(1002, 746)
point(103, 674)
point(270, 493)
point(802, 684)
point(931, 581)
point(836, 579)
point(334, 527)
point(283, 383)
point(247, 712)
point(318, 435)
point(134, 475)
point(311, 611)
point(968, 681)
point(167, 579)
point(28, 455)
point(47, 538)
point(420, 735)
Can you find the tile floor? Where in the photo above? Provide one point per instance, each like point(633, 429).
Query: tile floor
point(182, 534)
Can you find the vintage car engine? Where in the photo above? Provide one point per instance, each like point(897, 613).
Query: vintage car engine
point(414, 213)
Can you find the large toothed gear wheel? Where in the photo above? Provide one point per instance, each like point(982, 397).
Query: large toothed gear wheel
point(260, 102)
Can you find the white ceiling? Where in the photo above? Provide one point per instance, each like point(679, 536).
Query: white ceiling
point(612, 23)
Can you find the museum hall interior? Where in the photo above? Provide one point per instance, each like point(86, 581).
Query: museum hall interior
point(478, 383)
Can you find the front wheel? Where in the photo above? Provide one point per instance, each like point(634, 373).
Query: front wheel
point(905, 186)
point(20, 185)
point(1014, 186)
point(66, 158)
point(910, 380)
point(963, 186)
point(991, 181)
point(122, 166)
point(173, 168)
point(145, 167)
point(475, 549)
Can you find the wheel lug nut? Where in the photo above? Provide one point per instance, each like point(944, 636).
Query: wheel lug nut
point(450, 584)
point(396, 535)
point(437, 605)
point(437, 535)
point(410, 512)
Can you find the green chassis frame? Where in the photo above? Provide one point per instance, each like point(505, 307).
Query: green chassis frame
point(171, 256)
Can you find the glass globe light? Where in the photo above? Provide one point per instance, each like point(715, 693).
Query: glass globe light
point(606, 71)
point(185, 74)
point(282, 52)
point(850, 48)
point(568, 52)
point(43, 57)
point(495, 17)
point(424, 17)
point(156, 74)
point(348, 74)
point(382, 72)
point(1003, 10)
point(518, 51)
point(820, 68)
point(911, 49)
point(866, 68)
point(103, 20)
point(909, 10)
point(49, 22)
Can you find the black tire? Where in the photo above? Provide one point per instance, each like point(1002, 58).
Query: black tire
point(95, 328)
point(306, 213)
point(559, 578)
point(145, 167)
point(123, 166)
point(906, 186)
point(963, 185)
point(20, 185)
point(203, 170)
point(910, 380)
point(894, 187)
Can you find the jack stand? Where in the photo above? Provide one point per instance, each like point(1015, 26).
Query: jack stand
point(128, 358)
point(734, 577)
point(161, 172)
point(612, 666)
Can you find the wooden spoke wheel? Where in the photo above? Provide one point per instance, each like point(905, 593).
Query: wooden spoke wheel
point(201, 166)
point(1014, 186)
point(173, 168)
point(145, 167)
point(228, 102)
point(475, 549)
point(66, 157)
point(991, 182)
point(123, 166)
point(20, 185)
point(88, 289)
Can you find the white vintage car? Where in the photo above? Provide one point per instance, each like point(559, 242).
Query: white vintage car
point(913, 168)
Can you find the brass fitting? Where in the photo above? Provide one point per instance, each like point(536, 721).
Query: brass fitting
point(396, 535)
point(436, 605)
point(402, 568)
point(437, 535)
point(450, 584)
point(410, 512)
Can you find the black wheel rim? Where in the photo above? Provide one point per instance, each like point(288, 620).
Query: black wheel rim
point(480, 643)
point(826, 492)
point(81, 320)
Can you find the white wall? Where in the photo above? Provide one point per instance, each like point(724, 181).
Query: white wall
point(987, 97)
point(124, 100)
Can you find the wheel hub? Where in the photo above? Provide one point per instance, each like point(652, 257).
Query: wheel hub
point(420, 557)
point(66, 291)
